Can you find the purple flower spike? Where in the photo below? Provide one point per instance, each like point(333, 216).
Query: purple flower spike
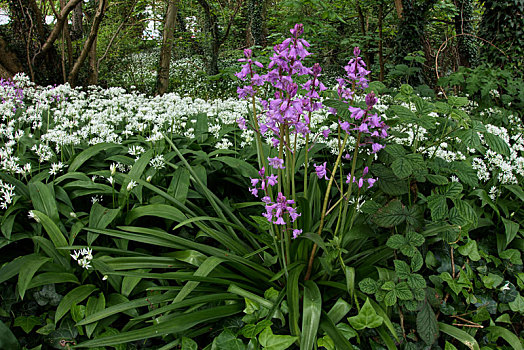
point(356, 51)
point(321, 170)
point(371, 100)
point(276, 162)
point(296, 233)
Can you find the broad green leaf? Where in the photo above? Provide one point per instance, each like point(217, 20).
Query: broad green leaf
point(339, 310)
point(78, 312)
point(402, 167)
point(130, 282)
point(402, 269)
point(157, 210)
point(496, 332)
point(27, 271)
point(437, 179)
point(496, 144)
point(85, 155)
point(177, 324)
point(368, 285)
point(56, 236)
point(43, 200)
point(93, 306)
point(465, 173)
point(293, 299)
point(335, 334)
point(395, 150)
point(516, 190)
point(427, 326)
point(75, 296)
point(392, 214)
point(189, 344)
point(7, 338)
point(244, 168)
point(402, 291)
point(179, 185)
point(52, 278)
point(366, 318)
point(460, 335)
point(312, 308)
point(252, 330)
point(396, 241)
point(100, 217)
point(438, 206)
point(204, 270)
point(272, 341)
point(513, 255)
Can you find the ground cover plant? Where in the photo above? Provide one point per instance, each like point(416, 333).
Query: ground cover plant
point(300, 215)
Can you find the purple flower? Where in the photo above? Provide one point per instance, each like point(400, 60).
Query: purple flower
point(325, 133)
point(241, 123)
point(371, 100)
point(296, 233)
point(276, 162)
point(321, 170)
point(371, 182)
point(345, 126)
point(272, 180)
point(376, 147)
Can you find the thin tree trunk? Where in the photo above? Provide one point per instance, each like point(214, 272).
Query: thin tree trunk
point(399, 8)
point(90, 40)
point(162, 83)
point(57, 29)
point(92, 78)
point(77, 29)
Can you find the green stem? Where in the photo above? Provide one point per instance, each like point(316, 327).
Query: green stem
point(324, 207)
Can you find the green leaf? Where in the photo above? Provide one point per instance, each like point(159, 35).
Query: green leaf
point(93, 306)
point(100, 217)
point(414, 239)
point(390, 298)
point(403, 292)
point(437, 179)
point(312, 308)
point(189, 344)
point(7, 338)
point(293, 299)
point(244, 168)
point(511, 230)
point(416, 281)
point(226, 341)
point(335, 334)
point(82, 157)
point(497, 144)
point(52, 278)
point(78, 312)
point(402, 167)
point(470, 250)
point(27, 271)
point(438, 207)
point(517, 305)
point(56, 236)
point(396, 241)
point(465, 173)
point(495, 332)
point(272, 341)
point(392, 214)
point(368, 285)
point(179, 185)
point(339, 310)
point(513, 255)
point(395, 150)
point(427, 326)
point(156, 210)
point(75, 296)
point(460, 335)
point(366, 318)
point(43, 200)
point(176, 324)
point(27, 323)
point(516, 190)
point(252, 330)
point(402, 269)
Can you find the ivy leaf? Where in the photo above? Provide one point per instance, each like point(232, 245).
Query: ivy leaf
point(252, 330)
point(470, 250)
point(225, 341)
point(517, 305)
point(366, 318)
point(508, 293)
point(427, 326)
point(27, 323)
point(368, 286)
point(491, 280)
point(511, 230)
point(272, 341)
point(513, 255)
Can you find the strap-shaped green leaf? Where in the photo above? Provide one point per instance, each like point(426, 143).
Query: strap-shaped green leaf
point(310, 315)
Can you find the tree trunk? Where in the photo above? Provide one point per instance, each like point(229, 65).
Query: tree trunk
point(363, 31)
point(9, 63)
point(399, 8)
point(92, 77)
point(257, 29)
point(90, 40)
point(77, 30)
point(162, 83)
point(466, 45)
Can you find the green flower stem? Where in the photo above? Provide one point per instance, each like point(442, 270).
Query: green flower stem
point(324, 207)
point(306, 158)
point(260, 149)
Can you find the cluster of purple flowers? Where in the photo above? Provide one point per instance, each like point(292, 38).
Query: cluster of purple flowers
point(263, 182)
point(282, 207)
point(12, 92)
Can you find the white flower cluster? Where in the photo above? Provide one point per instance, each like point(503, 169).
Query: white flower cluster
point(83, 257)
point(7, 192)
